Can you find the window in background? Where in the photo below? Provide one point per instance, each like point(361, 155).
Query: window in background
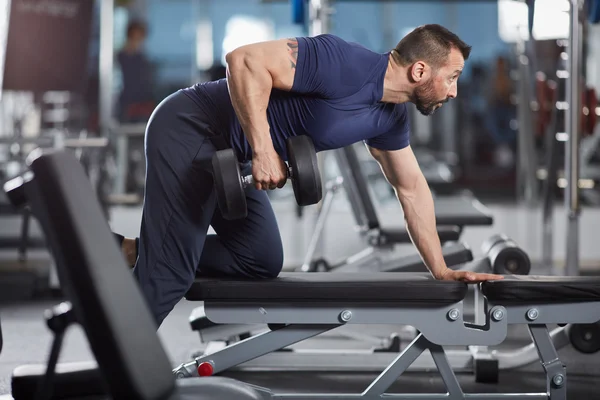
point(4, 12)
point(204, 45)
point(551, 20)
point(513, 17)
point(120, 21)
point(242, 30)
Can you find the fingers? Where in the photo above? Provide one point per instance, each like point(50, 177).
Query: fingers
point(473, 277)
point(269, 183)
point(268, 177)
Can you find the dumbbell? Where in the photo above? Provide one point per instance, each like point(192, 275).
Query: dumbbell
point(505, 256)
point(302, 170)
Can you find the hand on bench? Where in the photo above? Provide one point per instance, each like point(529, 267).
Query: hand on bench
point(467, 276)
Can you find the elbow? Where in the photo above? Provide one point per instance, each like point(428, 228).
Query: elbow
point(376, 154)
point(243, 64)
point(235, 59)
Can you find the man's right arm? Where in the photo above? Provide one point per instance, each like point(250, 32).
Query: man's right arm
point(252, 72)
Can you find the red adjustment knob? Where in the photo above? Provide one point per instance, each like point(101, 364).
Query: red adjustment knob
point(205, 369)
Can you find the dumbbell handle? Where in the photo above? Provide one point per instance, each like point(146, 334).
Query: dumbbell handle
point(248, 180)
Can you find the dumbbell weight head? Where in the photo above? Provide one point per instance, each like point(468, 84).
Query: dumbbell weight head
point(304, 170)
point(505, 256)
point(585, 338)
point(229, 187)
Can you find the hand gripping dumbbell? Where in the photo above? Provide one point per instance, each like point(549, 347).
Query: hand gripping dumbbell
point(302, 170)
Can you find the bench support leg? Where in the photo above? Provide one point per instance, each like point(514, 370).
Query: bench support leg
point(556, 372)
point(252, 348)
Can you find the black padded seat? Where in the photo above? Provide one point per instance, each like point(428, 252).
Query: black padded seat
point(75, 379)
point(325, 286)
point(527, 289)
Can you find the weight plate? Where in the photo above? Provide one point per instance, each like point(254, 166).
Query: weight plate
point(584, 337)
point(228, 185)
point(491, 242)
point(506, 257)
point(306, 179)
point(511, 260)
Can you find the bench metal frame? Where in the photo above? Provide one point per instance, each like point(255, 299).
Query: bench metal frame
point(439, 325)
point(218, 336)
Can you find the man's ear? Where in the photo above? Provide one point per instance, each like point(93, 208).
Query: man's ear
point(418, 71)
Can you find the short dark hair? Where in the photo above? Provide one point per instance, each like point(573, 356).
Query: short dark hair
point(430, 43)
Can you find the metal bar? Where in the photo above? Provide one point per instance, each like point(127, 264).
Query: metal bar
point(556, 372)
point(572, 145)
point(252, 348)
point(49, 141)
point(106, 65)
point(410, 396)
point(137, 129)
point(540, 336)
point(331, 190)
point(397, 367)
point(445, 370)
point(349, 360)
point(356, 204)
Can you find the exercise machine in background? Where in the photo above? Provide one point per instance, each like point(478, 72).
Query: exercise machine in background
point(453, 213)
point(43, 77)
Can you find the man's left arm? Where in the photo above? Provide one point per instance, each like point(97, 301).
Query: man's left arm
point(402, 171)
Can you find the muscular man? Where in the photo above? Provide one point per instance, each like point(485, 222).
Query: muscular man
point(336, 92)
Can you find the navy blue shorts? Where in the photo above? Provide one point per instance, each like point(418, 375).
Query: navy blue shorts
point(180, 206)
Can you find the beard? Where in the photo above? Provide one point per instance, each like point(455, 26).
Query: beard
point(425, 99)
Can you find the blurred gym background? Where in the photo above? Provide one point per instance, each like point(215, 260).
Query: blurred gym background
point(86, 75)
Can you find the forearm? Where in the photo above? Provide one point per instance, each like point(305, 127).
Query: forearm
point(250, 86)
point(419, 214)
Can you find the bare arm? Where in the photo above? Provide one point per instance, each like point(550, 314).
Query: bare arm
point(402, 171)
point(252, 72)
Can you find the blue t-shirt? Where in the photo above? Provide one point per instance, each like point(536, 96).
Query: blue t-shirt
point(335, 99)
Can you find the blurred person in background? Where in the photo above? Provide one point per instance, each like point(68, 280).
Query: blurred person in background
point(136, 101)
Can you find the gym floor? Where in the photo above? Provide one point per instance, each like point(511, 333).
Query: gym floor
point(27, 340)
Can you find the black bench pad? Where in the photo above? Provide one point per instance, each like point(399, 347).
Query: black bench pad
point(462, 211)
point(527, 289)
point(70, 380)
point(325, 286)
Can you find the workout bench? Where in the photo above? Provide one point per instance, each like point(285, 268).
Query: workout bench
point(300, 306)
point(295, 307)
point(501, 255)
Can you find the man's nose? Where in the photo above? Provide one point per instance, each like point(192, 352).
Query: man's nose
point(453, 91)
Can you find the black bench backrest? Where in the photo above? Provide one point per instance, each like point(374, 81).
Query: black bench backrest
point(95, 278)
